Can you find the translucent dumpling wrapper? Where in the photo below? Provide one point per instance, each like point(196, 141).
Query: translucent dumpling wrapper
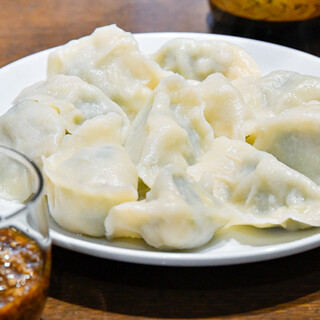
point(260, 190)
point(176, 214)
point(85, 101)
point(33, 128)
point(83, 188)
point(225, 109)
point(278, 91)
point(171, 130)
point(110, 59)
point(90, 173)
point(198, 59)
point(293, 137)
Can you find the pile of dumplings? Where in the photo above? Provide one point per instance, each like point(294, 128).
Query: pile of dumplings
point(172, 146)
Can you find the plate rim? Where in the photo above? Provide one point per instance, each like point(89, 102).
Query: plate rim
point(185, 259)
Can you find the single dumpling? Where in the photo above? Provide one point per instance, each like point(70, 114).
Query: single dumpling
point(176, 214)
point(33, 128)
point(83, 188)
point(278, 91)
point(86, 100)
point(261, 190)
point(225, 108)
point(198, 59)
point(171, 130)
point(90, 173)
point(110, 59)
point(293, 137)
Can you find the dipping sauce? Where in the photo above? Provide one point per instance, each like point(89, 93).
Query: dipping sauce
point(24, 276)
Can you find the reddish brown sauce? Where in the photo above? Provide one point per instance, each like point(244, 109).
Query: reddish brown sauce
point(24, 276)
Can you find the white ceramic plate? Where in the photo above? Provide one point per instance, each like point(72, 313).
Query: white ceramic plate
point(242, 245)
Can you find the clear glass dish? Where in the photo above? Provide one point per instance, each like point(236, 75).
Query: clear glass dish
point(25, 245)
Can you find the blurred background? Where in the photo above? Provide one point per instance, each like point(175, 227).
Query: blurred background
point(43, 24)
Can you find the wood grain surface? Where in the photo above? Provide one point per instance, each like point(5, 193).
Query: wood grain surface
point(84, 287)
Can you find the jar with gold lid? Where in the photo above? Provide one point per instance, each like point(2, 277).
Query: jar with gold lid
point(270, 10)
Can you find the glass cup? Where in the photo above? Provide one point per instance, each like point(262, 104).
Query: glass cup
point(25, 245)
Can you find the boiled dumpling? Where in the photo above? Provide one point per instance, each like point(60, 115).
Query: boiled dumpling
point(293, 137)
point(225, 108)
point(110, 59)
point(278, 91)
point(172, 129)
point(198, 59)
point(176, 214)
point(83, 187)
point(33, 128)
point(60, 90)
point(259, 189)
point(89, 174)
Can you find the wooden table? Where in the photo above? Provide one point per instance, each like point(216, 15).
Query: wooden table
point(84, 287)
